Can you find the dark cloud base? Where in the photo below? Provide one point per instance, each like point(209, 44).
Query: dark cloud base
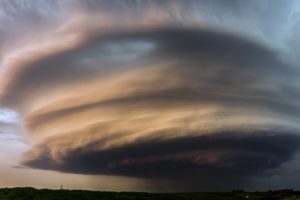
point(244, 155)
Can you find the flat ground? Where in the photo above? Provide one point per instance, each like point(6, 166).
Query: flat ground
point(34, 194)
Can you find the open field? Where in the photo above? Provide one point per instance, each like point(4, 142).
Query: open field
point(45, 194)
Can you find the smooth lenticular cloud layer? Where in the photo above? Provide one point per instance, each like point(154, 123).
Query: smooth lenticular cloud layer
point(196, 106)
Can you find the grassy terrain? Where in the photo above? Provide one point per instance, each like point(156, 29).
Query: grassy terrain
point(45, 194)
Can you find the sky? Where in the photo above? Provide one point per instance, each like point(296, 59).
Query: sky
point(156, 96)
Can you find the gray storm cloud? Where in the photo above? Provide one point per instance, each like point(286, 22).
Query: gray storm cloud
point(194, 101)
point(165, 96)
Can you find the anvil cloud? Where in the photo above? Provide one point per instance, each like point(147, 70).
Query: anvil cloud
point(146, 90)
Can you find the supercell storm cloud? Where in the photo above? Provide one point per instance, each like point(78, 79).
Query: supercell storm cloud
point(168, 90)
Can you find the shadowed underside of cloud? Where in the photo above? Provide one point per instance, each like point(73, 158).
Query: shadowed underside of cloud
point(246, 155)
point(166, 103)
point(221, 160)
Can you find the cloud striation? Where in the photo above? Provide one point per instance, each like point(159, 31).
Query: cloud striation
point(200, 107)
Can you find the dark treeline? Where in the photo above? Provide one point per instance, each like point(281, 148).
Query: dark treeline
point(46, 194)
